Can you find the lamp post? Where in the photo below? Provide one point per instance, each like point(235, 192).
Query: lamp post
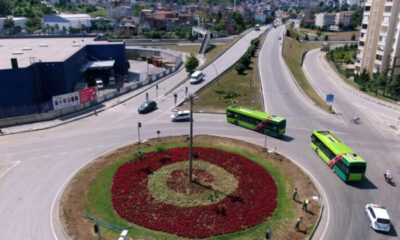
point(191, 139)
point(158, 135)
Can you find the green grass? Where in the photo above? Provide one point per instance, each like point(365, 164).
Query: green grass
point(215, 96)
point(99, 200)
point(292, 53)
point(355, 85)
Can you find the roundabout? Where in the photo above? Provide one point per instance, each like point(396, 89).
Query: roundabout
point(237, 191)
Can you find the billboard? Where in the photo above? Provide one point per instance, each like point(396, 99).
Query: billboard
point(74, 98)
point(66, 100)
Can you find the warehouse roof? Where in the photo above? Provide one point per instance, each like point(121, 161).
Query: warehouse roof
point(30, 50)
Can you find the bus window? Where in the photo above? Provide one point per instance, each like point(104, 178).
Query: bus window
point(324, 148)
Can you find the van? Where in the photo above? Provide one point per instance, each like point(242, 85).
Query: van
point(111, 80)
point(99, 83)
point(196, 77)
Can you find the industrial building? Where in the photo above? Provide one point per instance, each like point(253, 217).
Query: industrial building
point(34, 70)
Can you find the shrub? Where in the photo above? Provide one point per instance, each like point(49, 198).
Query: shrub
point(240, 68)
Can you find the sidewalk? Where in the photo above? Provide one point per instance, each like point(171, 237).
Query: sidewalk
point(85, 113)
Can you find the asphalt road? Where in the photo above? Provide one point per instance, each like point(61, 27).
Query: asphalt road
point(374, 139)
point(40, 163)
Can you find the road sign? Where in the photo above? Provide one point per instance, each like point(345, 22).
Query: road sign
point(330, 97)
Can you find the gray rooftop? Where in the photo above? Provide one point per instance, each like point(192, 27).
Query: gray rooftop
point(31, 50)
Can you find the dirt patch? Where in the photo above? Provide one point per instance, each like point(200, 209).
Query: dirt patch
point(179, 181)
point(73, 200)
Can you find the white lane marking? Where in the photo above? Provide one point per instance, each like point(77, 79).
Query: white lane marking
point(9, 169)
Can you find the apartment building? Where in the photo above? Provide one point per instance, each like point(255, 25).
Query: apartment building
point(325, 19)
point(378, 48)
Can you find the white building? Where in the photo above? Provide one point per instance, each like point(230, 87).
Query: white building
point(325, 19)
point(18, 21)
point(68, 20)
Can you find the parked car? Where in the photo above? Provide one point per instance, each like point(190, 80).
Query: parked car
point(147, 106)
point(378, 217)
point(99, 83)
point(180, 116)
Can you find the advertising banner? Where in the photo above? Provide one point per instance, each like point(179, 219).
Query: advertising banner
point(66, 100)
point(88, 94)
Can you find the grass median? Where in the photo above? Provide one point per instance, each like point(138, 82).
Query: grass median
point(292, 53)
point(232, 88)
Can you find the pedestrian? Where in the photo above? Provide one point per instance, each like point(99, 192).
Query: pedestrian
point(305, 204)
point(294, 194)
point(298, 222)
point(186, 90)
point(147, 96)
point(175, 97)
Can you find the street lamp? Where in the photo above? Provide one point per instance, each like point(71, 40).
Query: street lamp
point(158, 135)
point(191, 139)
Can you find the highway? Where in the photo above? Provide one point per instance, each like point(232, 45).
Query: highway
point(44, 161)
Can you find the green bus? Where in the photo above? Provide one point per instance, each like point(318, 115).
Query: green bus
point(343, 161)
point(256, 120)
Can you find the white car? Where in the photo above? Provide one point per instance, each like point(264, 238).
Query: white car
point(378, 217)
point(180, 116)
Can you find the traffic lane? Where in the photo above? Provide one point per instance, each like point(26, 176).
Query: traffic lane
point(325, 80)
point(282, 95)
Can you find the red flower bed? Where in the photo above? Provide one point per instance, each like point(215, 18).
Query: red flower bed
point(253, 201)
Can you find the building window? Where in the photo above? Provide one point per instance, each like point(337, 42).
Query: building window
point(367, 8)
point(381, 48)
point(382, 39)
point(379, 57)
point(388, 9)
point(361, 43)
point(364, 26)
point(386, 19)
point(365, 18)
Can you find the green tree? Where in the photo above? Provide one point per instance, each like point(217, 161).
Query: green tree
point(245, 60)
point(4, 8)
point(326, 38)
point(191, 63)
point(33, 23)
point(306, 37)
point(8, 23)
point(363, 80)
point(240, 68)
point(394, 87)
point(137, 9)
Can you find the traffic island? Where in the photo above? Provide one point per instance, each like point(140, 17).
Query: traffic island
point(237, 191)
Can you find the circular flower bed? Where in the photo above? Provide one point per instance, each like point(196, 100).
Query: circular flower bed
point(171, 185)
point(246, 197)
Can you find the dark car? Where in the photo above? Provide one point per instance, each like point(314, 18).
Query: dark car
point(147, 106)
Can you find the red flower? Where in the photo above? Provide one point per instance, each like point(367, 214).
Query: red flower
point(251, 203)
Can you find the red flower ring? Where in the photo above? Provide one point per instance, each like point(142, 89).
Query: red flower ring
point(250, 204)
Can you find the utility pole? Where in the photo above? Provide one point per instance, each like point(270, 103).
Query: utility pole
point(191, 139)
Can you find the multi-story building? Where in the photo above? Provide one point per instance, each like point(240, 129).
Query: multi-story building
point(378, 48)
point(325, 19)
point(343, 19)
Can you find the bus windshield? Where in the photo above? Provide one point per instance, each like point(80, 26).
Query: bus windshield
point(360, 168)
